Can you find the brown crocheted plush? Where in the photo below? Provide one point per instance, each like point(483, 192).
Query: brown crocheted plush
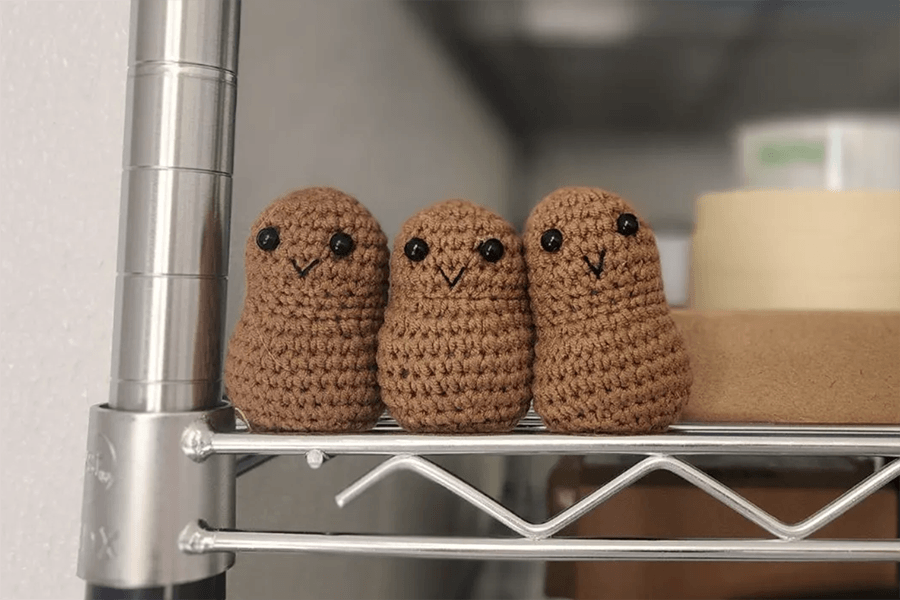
point(302, 357)
point(455, 351)
point(608, 357)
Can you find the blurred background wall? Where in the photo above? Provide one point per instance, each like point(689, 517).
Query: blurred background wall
point(662, 175)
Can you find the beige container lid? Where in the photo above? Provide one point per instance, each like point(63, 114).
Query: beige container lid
point(797, 250)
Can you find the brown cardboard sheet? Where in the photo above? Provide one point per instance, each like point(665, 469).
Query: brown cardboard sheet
point(793, 367)
point(663, 506)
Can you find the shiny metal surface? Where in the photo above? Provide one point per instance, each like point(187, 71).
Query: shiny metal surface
point(532, 422)
point(182, 116)
point(686, 471)
point(794, 441)
point(199, 540)
point(170, 335)
point(190, 31)
point(169, 212)
point(141, 491)
point(176, 202)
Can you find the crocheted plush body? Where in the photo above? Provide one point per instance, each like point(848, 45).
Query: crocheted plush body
point(302, 357)
point(608, 357)
point(455, 351)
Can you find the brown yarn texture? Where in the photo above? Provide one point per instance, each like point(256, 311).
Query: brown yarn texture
point(608, 357)
point(457, 358)
point(302, 357)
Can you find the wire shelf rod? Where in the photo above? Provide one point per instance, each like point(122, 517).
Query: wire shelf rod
point(195, 539)
point(689, 473)
point(204, 442)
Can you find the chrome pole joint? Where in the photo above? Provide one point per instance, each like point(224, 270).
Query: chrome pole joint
point(141, 491)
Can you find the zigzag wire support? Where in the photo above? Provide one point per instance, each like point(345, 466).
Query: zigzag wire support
point(688, 472)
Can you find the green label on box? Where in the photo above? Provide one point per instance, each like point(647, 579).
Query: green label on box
point(797, 152)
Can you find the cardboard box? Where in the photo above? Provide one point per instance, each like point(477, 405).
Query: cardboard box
point(793, 367)
point(664, 506)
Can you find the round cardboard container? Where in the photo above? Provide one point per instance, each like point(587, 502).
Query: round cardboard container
point(797, 250)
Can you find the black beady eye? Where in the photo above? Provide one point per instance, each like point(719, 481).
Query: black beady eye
point(416, 249)
point(491, 250)
point(627, 224)
point(341, 244)
point(551, 240)
point(267, 239)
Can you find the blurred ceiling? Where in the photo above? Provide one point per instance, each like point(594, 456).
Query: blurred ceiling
point(671, 66)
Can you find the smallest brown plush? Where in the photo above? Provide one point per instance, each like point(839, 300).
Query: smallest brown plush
point(454, 355)
point(608, 357)
point(302, 357)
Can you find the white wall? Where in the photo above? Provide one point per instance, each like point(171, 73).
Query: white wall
point(62, 106)
point(661, 175)
point(355, 95)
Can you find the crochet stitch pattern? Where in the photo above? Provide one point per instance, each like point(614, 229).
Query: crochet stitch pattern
point(302, 357)
point(455, 351)
point(608, 357)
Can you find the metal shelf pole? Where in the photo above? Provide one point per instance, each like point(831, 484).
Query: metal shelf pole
point(170, 309)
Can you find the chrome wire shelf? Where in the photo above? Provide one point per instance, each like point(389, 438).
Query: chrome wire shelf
point(535, 541)
point(530, 438)
point(198, 540)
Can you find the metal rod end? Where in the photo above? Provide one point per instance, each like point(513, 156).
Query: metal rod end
point(194, 539)
point(196, 442)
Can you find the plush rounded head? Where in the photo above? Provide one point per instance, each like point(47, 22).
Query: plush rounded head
point(316, 244)
point(457, 249)
point(588, 248)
